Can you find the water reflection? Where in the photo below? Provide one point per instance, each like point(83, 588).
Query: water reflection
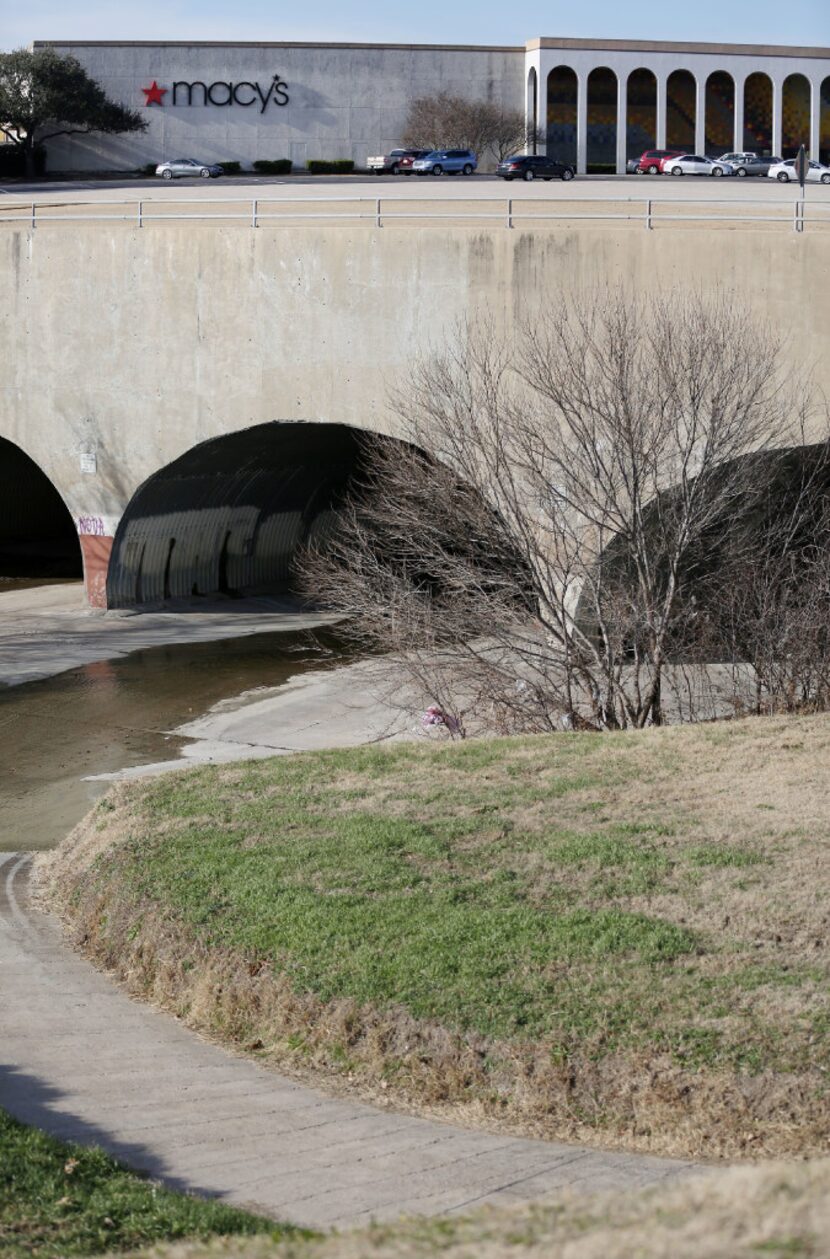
point(103, 716)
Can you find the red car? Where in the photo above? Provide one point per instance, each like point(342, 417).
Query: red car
point(651, 162)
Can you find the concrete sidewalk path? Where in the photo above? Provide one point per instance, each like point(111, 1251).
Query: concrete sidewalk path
point(82, 1060)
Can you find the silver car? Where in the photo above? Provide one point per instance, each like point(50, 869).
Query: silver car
point(181, 167)
point(692, 164)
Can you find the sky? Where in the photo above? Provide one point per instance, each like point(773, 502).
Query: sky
point(426, 22)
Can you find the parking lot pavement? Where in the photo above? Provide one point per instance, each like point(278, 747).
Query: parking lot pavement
point(413, 186)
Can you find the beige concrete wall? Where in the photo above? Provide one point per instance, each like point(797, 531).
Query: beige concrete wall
point(123, 347)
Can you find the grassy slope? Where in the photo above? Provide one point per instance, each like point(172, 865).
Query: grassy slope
point(620, 938)
point(772, 1212)
point(62, 1199)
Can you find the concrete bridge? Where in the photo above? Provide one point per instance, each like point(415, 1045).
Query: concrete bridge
point(185, 397)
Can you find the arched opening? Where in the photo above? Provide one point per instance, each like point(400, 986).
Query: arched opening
point(720, 113)
point(824, 122)
point(795, 115)
point(532, 110)
point(641, 113)
point(757, 136)
point(561, 119)
point(38, 537)
point(602, 121)
point(681, 110)
point(226, 518)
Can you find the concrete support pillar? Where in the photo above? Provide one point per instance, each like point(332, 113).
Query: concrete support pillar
point(622, 121)
point(542, 107)
point(660, 138)
point(96, 550)
point(738, 136)
point(582, 123)
point(700, 115)
point(815, 117)
point(777, 118)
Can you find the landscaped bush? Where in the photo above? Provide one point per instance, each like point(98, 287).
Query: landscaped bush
point(280, 166)
point(149, 168)
point(13, 161)
point(231, 168)
point(343, 166)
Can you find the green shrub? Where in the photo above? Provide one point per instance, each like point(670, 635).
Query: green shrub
point(149, 168)
point(13, 161)
point(280, 166)
point(343, 166)
point(231, 168)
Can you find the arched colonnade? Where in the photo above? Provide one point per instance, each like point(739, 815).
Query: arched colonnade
point(601, 117)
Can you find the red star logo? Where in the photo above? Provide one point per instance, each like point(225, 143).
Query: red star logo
point(154, 94)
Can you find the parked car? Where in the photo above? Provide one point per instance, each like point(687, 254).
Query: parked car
point(397, 162)
point(735, 158)
point(784, 172)
point(446, 161)
point(752, 165)
point(693, 164)
point(183, 166)
point(530, 166)
point(652, 161)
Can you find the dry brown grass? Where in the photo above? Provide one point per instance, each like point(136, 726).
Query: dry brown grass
point(733, 815)
point(781, 1211)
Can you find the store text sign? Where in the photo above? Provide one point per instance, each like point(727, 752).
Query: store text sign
point(220, 93)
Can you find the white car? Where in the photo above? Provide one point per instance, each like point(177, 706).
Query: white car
point(692, 164)
point(784, 172)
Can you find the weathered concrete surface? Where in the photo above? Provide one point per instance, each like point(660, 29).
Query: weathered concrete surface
point(48, 629)
point(125, 347)
point(79, 1059)
point(339, 708)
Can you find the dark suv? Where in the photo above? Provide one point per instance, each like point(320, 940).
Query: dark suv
point(528, 166)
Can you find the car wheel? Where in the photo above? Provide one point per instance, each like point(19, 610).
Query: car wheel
point(782, 177)
point(437, 170)
point(716, 171)
point(527, 176)
point(467, 170)
point(741, 172)
point(567, 173)
point(167, 174)
point(825, 179)
point(396, 170)
point(654, 170)
point(205, 173)
point(677, 170)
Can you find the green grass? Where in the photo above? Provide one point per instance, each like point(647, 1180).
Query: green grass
point(593, 901)
point(58, 1198)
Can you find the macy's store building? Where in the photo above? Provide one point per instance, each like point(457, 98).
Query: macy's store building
point(596, 102)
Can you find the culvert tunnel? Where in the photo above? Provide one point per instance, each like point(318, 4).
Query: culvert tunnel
point(227, 517)
point(38, 537)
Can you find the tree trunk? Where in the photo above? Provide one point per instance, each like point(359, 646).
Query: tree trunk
point(29, 157)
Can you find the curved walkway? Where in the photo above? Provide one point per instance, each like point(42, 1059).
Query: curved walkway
point(83, 1061)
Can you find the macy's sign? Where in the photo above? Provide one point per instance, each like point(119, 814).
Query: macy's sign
point(220, 93)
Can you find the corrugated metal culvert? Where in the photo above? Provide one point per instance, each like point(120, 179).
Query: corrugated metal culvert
point(227, 517)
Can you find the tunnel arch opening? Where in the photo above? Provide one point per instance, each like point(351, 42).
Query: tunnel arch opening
point(227, 518)
point(38, 537)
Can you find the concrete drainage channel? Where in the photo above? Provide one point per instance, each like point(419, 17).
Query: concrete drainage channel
point(83, 1061)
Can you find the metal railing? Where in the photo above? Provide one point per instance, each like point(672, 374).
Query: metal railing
point(510, 212)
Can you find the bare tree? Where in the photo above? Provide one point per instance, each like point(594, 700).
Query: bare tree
point(446, 121)
point(546, 556)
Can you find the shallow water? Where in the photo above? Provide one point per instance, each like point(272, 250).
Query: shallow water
point(103, 716)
